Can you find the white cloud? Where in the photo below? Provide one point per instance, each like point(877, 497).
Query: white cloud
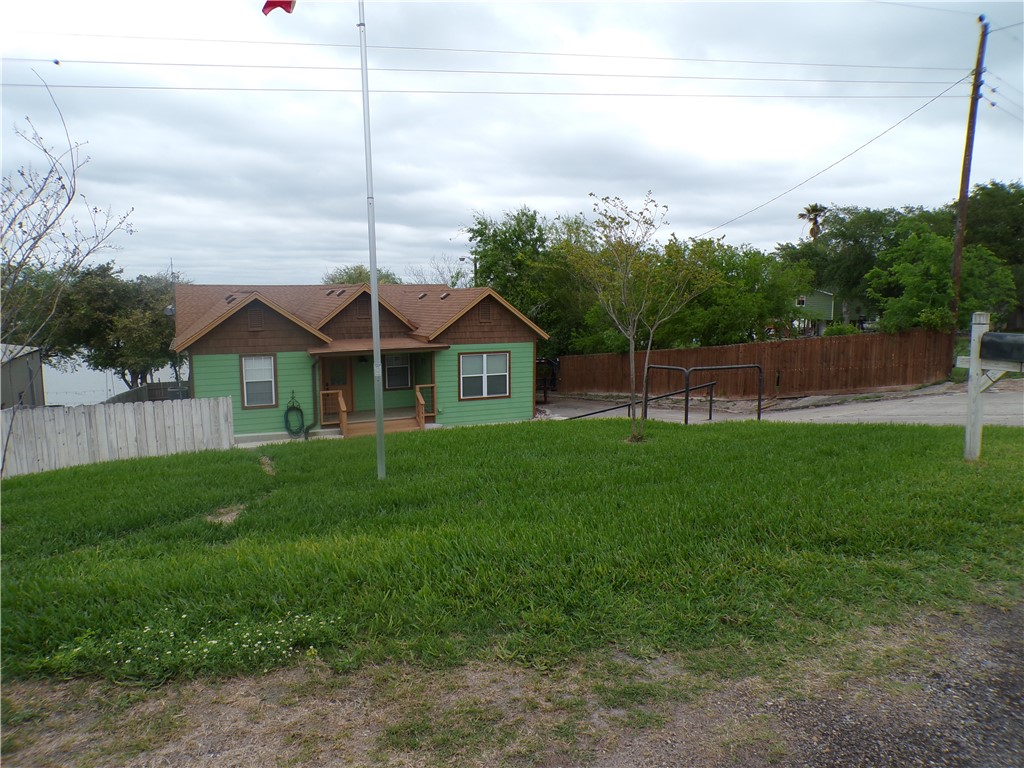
point(269, 185)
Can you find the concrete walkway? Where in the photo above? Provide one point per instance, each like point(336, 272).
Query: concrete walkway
point(942, 404)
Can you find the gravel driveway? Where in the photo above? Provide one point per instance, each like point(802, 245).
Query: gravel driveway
point(942, 404)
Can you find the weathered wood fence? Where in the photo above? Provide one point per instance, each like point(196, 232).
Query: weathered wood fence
point(55, 437)
point(792, 367)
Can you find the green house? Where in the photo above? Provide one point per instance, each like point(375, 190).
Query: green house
point(818, 309)
point(300, 357)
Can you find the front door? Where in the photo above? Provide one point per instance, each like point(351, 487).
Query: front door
point(335, 376)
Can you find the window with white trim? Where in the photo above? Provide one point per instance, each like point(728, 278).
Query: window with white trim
point(483, 375)
point(258, 389)
point(397, 373)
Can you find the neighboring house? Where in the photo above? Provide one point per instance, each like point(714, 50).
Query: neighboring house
point(818, 309)
point(21, 376)
point(449, 356)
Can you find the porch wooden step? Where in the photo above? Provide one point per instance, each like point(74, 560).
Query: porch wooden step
point(361, 428)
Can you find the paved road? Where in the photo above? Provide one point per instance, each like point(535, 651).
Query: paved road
point(939, 405)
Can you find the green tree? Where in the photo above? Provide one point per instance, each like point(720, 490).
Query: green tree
point(813, 214)
point(913, 285)
point(755, 293)
point(845, 251)
point(524, 257)
point(637, 282)
point(995, 220)
point(116, 325)
point(354, 274)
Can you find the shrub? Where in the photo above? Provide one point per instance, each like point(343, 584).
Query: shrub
point(841, 329)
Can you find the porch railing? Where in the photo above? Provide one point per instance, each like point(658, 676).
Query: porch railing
point(331, 406)
point(422, 411)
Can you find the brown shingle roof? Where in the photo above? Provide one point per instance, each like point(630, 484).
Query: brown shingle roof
point(427, 309)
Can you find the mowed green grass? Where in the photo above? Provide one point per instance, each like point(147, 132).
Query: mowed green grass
point(535, 542)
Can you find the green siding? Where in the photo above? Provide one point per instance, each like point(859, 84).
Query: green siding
point(819, 305)
point(518, 407)
point(362, 382)
point(220, 376)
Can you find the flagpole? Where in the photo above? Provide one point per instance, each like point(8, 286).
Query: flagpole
point(378, 377)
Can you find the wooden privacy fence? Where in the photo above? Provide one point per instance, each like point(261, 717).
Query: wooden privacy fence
point(792, 368)
point(55, 437)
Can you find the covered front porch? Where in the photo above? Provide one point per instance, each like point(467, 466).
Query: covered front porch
point(335, 412)
point(344, 382)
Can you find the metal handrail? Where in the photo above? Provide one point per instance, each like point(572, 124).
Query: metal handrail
point(686, 381)
point(710, 384)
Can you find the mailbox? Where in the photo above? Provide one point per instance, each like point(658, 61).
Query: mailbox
point(1003, 346)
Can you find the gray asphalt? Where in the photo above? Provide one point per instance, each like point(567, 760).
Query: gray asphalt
point(944, 404)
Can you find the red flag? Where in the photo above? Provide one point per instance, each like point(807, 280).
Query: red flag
point(287, 5)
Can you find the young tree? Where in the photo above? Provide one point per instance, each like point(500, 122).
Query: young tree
point(353, 274)
point(637, 282)
point(43, 243)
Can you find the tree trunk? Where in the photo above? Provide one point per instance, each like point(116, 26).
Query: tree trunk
point(634, 433)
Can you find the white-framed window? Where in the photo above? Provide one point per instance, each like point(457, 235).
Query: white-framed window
point(258, 390)
point(483, 375)
point(397, 372)
point(801, 301)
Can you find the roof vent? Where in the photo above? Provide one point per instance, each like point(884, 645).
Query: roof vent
point(330, 292)
point(341, 292)
point(230, 298)
point(422, 296)
point(445, 295)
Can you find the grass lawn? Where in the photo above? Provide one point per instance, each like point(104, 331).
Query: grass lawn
point(533, 543)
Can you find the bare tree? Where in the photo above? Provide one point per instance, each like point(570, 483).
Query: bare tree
point(443, 270)
point(43, 243)
point(639, 283)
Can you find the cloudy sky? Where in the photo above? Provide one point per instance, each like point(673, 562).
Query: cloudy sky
point(238, 138)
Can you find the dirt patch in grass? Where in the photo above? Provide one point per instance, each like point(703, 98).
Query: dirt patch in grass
point(267, 465)
point(226, 515)
point(938, 690)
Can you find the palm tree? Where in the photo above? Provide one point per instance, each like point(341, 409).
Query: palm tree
point(814, 213)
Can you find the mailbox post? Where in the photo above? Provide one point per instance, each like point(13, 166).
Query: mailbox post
point(975, 408)
point(992, 355)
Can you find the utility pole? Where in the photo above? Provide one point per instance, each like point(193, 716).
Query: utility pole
point(965, 180)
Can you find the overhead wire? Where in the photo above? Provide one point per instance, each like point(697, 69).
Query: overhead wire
point(989, 72)
point(510, 52)
point(837, 162)
point(452, 92)
point(439, 71)
point(1003, 97)
point(1004, 109)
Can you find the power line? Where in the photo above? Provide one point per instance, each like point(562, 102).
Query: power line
point(1002, 97)
point(1003, 109)
point(924, 7)
point(989, 72)
point(1008, 26)
point(511, 52)
point(837, 162)
point(524, 73)
point(452, 92)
